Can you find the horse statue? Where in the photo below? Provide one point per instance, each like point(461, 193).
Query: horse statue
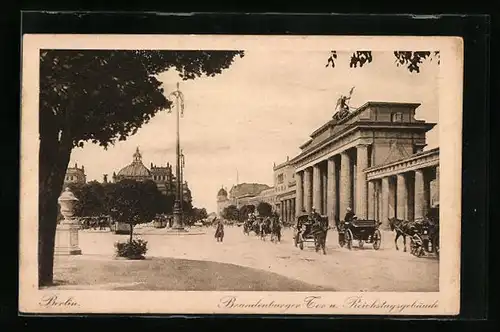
point(219, 232)
point(402, 228)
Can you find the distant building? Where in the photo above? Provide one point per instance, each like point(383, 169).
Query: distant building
point(75, 175)
point(245, 194)
point(222, 201)
point(161, 175)
point(284, 184)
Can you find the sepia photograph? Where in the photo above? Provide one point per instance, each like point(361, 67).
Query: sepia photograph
point(240, 174)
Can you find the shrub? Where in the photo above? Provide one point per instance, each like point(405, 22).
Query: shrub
point(135, 249)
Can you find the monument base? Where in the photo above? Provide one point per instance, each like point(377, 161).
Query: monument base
point(67, 251)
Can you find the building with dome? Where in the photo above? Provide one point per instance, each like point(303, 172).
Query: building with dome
point(222, 200)
point(161, 175)
point(75, 175)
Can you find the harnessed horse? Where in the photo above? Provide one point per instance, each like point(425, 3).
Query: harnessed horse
point(264, 228)
point(319, 231)
point(402, 228)
point(275, 230)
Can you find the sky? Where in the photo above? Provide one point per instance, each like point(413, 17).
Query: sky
point(258, 112)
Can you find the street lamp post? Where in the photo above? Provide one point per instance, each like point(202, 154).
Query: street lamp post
point(178, 222)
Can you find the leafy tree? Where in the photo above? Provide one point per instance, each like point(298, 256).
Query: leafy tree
point(245, 210)
point(133, 202)
point(230, 212)
point(199, 214)
point(91, 199)
point(411, 59)
point(265, 209)
point(101, 96)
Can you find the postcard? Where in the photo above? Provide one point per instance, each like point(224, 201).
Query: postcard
point(221, 174)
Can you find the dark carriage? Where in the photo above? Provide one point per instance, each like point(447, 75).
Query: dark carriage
point(425, 237)
point(363, 231)
point(305, 231)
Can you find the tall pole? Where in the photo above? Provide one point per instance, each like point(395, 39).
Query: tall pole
point(177, 204)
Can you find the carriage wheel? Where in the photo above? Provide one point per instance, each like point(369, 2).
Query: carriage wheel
point(341, 240)
point(416, 246)
point(348, 239)
point(377, 239)
point(361, 243)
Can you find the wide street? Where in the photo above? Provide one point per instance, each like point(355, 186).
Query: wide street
point(341, 270)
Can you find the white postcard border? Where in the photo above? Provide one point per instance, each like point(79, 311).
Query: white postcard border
point(444, 302)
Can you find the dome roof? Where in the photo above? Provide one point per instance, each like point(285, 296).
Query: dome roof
point(136, 168)
point(222, 192)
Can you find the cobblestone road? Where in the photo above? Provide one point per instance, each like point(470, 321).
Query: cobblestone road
point(356, 270)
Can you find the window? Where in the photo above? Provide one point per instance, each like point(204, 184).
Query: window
point(397, 117)
point(280, 178)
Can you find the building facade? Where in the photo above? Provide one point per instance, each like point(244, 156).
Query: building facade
point(370, 160)
point(162, 176)
point(75, 175)
point(284, 184)
point(245, 194)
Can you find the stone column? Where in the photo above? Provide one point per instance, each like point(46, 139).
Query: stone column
point(299, 204)
point(345, 183)
point(308, 189)
point(317, 188)
point(427, 193)
point(293, 210)
point(386, 193)
point(324, 191)
point(361, 185)
point(287, 209)
point(419, 194)
point(392, 198)
point(289, 214)
point(66, 241)
point(331, 200)
point(401, 197)
point(371, 200)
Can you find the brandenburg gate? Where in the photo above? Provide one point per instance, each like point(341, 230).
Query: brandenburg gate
point(370, 160)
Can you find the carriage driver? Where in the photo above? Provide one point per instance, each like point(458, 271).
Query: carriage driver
point(349, 216)
point(314, 215)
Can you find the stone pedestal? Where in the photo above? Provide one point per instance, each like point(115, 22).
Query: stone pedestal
point(66, 242)
point(67, 239)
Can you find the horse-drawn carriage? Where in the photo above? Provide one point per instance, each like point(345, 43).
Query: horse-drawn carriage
point(363, 231)
point(314, 231)
point(425, 238)
point(263, 226)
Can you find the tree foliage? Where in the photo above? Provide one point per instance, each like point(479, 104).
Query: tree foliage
point(133, 202)
point(91, 199)
point(245, 210)
point(107, 95)
point(411, 59)
point(230, 212)
point(264, 209)
point(101, 96)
